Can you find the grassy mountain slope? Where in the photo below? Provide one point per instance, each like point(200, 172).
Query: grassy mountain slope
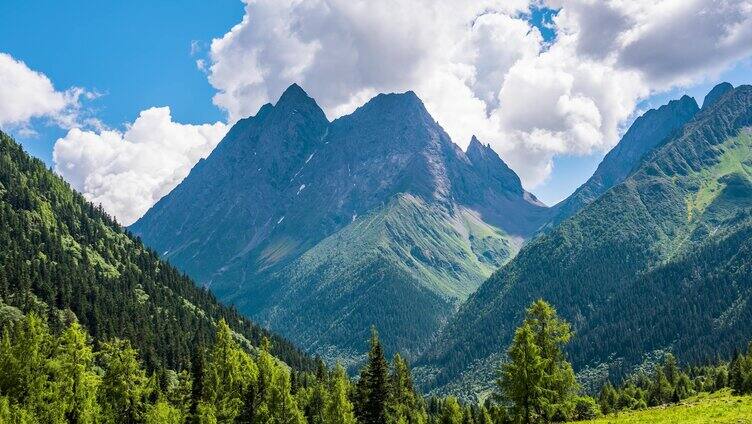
point(66, 259)
point(658, 262)
point(404, 268)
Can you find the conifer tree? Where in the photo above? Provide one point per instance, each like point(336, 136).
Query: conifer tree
point(124, 383)
point(197, 374)
point(661, 389)
point(607, 399)
point(522, 377)
point(339, 410)
point(76, 380)
point(228, 373)
point(451, 411)
point(551, 333)
point(276, 403)
point(403, 404)
point(373, 385)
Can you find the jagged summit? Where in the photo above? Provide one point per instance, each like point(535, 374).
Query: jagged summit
point(260, 220)
point(475, 144)
point(492, 167)
point(647, 132)
point(406, 107)
point(292, 94)
point(716, 93)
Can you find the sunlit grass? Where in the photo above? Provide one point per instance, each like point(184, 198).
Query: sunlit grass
point(720, 407)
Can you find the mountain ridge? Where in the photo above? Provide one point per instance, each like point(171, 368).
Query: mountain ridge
point(668, 223)
point(646, 133)
point(388, 150)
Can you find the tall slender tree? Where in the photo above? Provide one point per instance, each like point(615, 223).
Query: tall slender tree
point(78, 383)
point(339, 410)
point(522, 377)
point(373, 385)
point(551, 334)
point(404, 404)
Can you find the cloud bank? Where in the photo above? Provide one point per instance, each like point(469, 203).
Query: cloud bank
point(127, 172)
point(482, 67)
point(26, 94)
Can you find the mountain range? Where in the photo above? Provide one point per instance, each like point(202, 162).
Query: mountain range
point(321, 229)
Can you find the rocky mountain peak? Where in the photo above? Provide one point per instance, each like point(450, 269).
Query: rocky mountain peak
point(292, 95)
point(490, 165)
point(405, 107)
point(716, 93)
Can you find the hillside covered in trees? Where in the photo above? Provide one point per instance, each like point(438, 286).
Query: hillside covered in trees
point(65, 259)
point(660, 262)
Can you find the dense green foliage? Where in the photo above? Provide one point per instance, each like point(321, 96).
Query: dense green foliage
point(668, 383)
point(61, 378)
point(662, 261)
point(48, 378)
point(65, 259)
point(538, 380)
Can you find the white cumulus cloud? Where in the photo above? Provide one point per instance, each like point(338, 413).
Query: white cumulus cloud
point(481, 67)
point(127, 172)
point(27, 94)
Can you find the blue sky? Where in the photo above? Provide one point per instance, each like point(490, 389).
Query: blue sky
point(138, 54)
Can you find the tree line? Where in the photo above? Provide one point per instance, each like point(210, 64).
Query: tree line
point(65, 377)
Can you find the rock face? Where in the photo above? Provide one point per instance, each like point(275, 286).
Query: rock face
point(646, 133)
point(716, 93)
point(659, 262)
point(321, 229)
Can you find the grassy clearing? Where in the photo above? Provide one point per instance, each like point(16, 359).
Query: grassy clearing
point(720, 407)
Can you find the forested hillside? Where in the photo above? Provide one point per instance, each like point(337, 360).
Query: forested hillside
point(661, 262)
point(67, 260)
point(59, 377)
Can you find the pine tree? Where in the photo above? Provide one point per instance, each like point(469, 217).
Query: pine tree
point(451, 411)
point(404, 404)
point(522, 377)
point(545, 382)
point(551, 333)
point(197, 374)
point(77, 381)
point(124, 384)
point(671, 369)
point(607, 399)
point(316, 404)
point(276, 403)
point(373, 385)
point(339, 410)
point(661, 389)
point(25, 351)
point(228, 373)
